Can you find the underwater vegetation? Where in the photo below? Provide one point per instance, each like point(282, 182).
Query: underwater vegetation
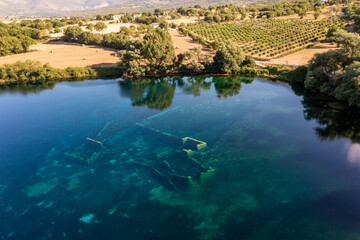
point(181, 158)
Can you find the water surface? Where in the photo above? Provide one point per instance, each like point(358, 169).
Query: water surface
point(177, 158)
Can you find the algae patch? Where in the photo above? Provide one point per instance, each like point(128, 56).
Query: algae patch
point(87, 218)
point(40, 188)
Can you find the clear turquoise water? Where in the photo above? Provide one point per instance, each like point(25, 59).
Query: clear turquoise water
point(279, 163)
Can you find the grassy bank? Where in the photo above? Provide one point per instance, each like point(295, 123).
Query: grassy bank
point(33, 72)
point(30, 71)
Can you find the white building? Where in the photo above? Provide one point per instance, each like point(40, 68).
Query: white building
point(155, 25)
point(117, 17)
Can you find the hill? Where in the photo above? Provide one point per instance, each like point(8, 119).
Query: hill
point(21, 8)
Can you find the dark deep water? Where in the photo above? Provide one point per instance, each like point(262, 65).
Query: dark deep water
point(106, 159)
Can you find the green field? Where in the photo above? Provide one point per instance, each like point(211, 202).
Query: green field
point(266, 38)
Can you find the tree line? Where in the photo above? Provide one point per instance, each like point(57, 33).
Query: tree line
point(15, 38)
point(33, 71)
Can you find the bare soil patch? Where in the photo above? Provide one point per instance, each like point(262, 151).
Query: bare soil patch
point(184, 43)
point(185, 20)
point(111, 27)
point(63, 55)
point(304, 56)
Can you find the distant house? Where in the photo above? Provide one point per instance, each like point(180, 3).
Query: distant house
point(116, 17)
point(137, 15)
point(155, 25)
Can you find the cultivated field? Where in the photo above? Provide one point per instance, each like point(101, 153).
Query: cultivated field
point(63, 55)
point(266, 39)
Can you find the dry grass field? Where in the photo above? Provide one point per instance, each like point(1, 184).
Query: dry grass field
point(184, 43)
point(63, 55)
point(304, 56)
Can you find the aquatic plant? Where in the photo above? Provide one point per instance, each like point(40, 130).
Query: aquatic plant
point(39, 189)
point(87, 218)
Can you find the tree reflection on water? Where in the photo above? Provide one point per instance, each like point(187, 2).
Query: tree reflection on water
point(335, 120)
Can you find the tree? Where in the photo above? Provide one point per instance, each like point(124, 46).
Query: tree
point(131, 61)
point(331, 31)
point(90, 27)
point(72, 33)
point(158, 49)
point(86, 38)
point(253, 15)
point(302, 13)
point(322, 71)
point(57, 30)
point(336, 72)
point(100, 26)
point(336, 9)
point(195, 60)
point(164, 25)
point(154, 54)
point(158, 11)
point(229, 58)
point(127, 31)
point(350, 42)
point(215, 45)
point(317, 14)
point(349, 87)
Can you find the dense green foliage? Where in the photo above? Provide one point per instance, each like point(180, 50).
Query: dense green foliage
point(264, 39)
point(47, 24)
point(155, 54)
point(72, 33)
point(229, 58)
point(194, 60)
point(111, 40)
point(352, 12)
point(15, 38)
point(100, 26)
point(30, 71)
point(337, 72)
point(158, 49)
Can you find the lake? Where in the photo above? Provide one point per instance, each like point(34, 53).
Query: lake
point(177, 158)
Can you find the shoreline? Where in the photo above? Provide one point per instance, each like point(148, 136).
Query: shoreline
point(109, 72)
point(272, 78)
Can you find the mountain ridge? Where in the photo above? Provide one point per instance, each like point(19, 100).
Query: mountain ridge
point(39, 8)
